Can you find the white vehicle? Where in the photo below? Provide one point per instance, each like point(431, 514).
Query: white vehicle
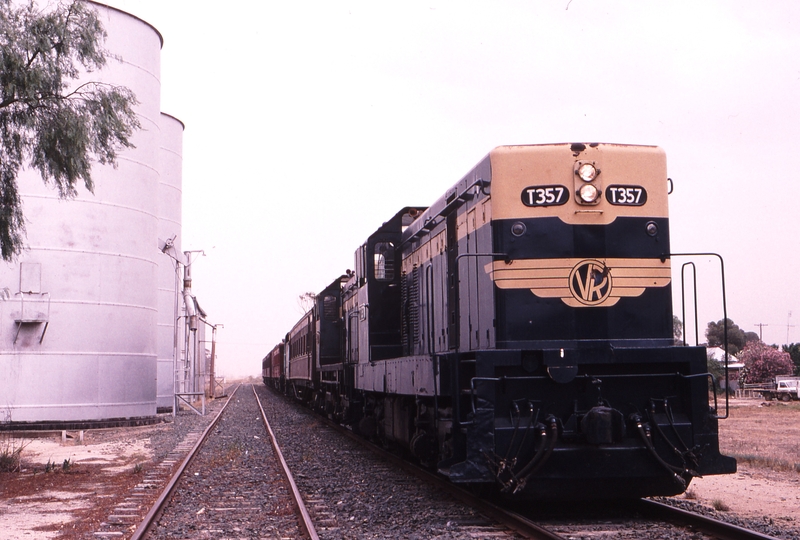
point(786, 388)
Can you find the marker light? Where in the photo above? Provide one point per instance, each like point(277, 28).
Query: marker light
point(518, 228)
point(587, 172)
point(588, 193)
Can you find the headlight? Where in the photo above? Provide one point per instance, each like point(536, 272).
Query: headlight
point(588, 193)
point(587, 172)
point(586, 182)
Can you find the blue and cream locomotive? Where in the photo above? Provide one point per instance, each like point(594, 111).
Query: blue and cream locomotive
point(518, 333)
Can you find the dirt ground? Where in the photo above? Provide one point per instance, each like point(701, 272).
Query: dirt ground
point(764, 437)
point(35, 503)
point(66, 488)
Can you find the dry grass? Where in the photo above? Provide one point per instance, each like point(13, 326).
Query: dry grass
point(720, 505)
point(10, 452)
point(764, 436)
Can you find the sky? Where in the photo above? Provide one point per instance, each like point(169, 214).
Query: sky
point(310, 123)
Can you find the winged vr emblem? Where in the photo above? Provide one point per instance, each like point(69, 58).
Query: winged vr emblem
point(582, 282)
point(590, 282)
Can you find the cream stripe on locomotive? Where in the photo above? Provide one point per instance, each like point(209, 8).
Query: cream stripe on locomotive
point(581, 282)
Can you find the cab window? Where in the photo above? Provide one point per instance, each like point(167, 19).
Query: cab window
point(383, 261)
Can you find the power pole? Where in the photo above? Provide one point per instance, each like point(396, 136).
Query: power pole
point(788, 320)
point(760, 330)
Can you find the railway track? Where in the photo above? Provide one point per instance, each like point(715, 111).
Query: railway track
point(639, 520)
point(233, 483)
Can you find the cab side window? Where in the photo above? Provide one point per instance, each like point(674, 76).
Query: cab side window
point(383, 261)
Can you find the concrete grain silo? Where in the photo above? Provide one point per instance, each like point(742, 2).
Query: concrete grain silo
point(79, 315)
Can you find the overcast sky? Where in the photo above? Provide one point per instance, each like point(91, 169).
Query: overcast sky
point(308, 124)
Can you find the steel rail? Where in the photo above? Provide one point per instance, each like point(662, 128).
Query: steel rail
point(155, 511)
point(305, 518)
point(720, 529)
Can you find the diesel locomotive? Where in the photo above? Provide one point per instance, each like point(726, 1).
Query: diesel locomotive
point(518, 333)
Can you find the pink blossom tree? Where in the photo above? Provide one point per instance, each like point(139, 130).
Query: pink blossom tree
point(763, 362)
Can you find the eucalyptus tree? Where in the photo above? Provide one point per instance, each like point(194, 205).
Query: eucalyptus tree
point(53, 118)
point(715, 335)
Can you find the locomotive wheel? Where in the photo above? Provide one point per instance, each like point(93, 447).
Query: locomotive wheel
point(368, 427)
point(424, 447)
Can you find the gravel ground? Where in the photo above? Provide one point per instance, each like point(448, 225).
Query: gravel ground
point(765, 525)
point(351, 503)
point(373, 501)
point(352, 494)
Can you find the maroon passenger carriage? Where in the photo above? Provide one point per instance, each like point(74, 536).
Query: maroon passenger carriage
point(272, 368)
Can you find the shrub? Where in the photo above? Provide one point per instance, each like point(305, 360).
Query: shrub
point(763, 362)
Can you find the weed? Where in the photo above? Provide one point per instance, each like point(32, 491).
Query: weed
point(66, 465)
point(10, 459)
point(10, 452)
point(690, 494)
point(233, 452)
point(49, 467)
point(139, 467)
point(10, 447)
point(719, 505)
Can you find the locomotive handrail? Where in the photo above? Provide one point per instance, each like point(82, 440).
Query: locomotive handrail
point(724, 319)
point(430, 332)
point(472, 393)
point(714, 386)
point(683, 301)
point(458, 258)
point(505, 255)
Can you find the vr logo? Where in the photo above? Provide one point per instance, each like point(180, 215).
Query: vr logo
point(590, 282)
